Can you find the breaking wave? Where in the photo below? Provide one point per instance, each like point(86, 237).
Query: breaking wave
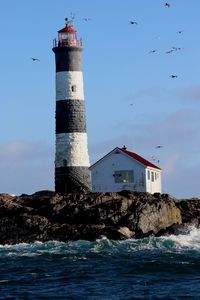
point(103, 269)
point(189, 241)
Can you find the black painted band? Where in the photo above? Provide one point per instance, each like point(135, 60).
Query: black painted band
point(68, 58)
point(70, 116)
point(72, 179)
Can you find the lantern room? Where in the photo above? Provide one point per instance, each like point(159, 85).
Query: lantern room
point(67, 36)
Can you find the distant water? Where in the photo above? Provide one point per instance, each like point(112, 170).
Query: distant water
point(150, 268)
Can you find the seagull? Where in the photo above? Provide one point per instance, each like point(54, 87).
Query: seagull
point(35, 59)
point(180, 31)
point(133, 23)
point(167, 4)
point(152, 51)
point(131, 104)
point(173, 49)
point(174, 76)
point(159, 146)
point(176, 48)
point(87, 19)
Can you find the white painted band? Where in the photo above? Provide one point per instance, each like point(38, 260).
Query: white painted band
point(69, 85)
point(71, 150)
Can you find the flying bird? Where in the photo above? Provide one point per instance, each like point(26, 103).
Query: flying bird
point(167, 4)
point(174, 76)
point(173, 49)
point(180, 31)
point(35, 59)
point(159, 146)
point(152, 51)
point(177, 48)
point(133, 23)
point(169, 51)
point(87, 19)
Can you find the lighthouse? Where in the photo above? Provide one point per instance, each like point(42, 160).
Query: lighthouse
point(72, 172)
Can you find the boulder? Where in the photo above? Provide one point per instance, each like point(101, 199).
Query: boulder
point(46, 215)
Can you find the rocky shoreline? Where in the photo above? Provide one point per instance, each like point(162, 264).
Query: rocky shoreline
point(46, 216)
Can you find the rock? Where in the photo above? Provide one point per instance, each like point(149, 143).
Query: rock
point(126, 232)
point(6, 196)
point(46, 215)
point(158, 215)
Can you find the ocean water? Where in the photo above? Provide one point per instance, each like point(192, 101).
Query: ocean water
point(149, 268)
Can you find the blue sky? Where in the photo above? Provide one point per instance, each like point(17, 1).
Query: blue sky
point(118, 71)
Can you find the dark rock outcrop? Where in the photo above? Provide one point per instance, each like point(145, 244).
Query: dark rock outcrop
point(46, 216)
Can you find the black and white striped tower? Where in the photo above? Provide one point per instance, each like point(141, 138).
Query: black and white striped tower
point(72, 172)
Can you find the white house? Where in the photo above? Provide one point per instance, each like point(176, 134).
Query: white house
point(122, 169)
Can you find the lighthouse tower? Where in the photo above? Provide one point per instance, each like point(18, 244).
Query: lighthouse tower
point(72, 172)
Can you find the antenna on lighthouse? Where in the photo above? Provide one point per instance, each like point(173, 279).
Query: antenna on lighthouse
point(72, 15)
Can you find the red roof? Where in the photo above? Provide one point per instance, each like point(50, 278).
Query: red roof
point(140, 159)
point(133, 155)
point(67, 29)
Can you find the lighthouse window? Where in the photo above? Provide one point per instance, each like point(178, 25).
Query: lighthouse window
point(64, 163)
point(74, 88)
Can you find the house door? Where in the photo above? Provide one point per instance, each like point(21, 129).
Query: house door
point(149, 182)
point(149, 186)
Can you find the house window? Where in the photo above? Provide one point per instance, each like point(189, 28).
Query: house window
point(148, 175)
point(74, 88)
point(152, 176)
point(123, 176)
point(142, 179)
point(155, 175)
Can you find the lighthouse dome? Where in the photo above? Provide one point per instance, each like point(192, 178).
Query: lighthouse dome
point(67, 36)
